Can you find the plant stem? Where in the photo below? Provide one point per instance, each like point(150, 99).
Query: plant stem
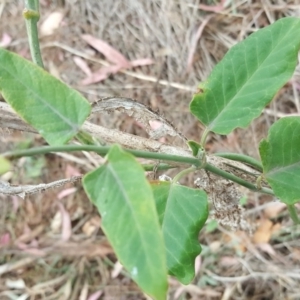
point(203, 138)
point(157, 167)
point(242, 158)
point(86, 139)
point(183, 173)
point(143, 154)
point(236, 179)
point(293, 213)
point(102, 151)
point(32, 15)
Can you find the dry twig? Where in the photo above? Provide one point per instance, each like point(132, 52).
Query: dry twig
point(22, 190)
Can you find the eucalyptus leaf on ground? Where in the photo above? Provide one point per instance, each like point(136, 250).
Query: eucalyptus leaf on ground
point(125, 201)
point(280, 155)
point(248, 77)
point(54, 109)
point(182, 213)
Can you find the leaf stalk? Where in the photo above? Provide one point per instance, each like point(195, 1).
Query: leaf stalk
point(31, 15)
point(183, 173)
point(204, 137)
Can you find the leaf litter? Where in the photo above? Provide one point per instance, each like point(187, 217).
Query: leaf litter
point(176, 53)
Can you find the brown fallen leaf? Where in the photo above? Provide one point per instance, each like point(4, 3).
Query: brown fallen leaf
point(66, 227)
point(83, 249)
point(91, 225)
point(30, 250)
point(267, 248)
point(71, 171)
point(194, 42)
point(104, 72)
point(117, 269)
point(295, 254)
point(51, 23)
point(215, 246)
point(5, 41)
point(81, 63)
point(276, 227)
point(198, 263)
point(108, 51)
point(56, 223)
point(101, 74)
point(5, 239)
point(236, 241)
point(141, 62)
point(66, 192)
point(53, 70)
point(263, 232)
point(95, 296)
point(274, 210)
point(28, 234)
point(112, 55)
point(229, 261)
point(213, 8)
point(18, 284)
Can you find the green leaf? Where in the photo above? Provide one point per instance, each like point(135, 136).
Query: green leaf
point(195, 147)
point(248, 77)
point(280, 154)
point(182, 212)
point(54, 109)
point(4, 165)
point(125, 201)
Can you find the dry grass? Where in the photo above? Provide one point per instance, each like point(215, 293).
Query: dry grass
point(51, 245)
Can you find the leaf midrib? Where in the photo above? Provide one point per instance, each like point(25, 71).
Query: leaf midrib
point(66, 121)
point(179, 263)
point(123, 191)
